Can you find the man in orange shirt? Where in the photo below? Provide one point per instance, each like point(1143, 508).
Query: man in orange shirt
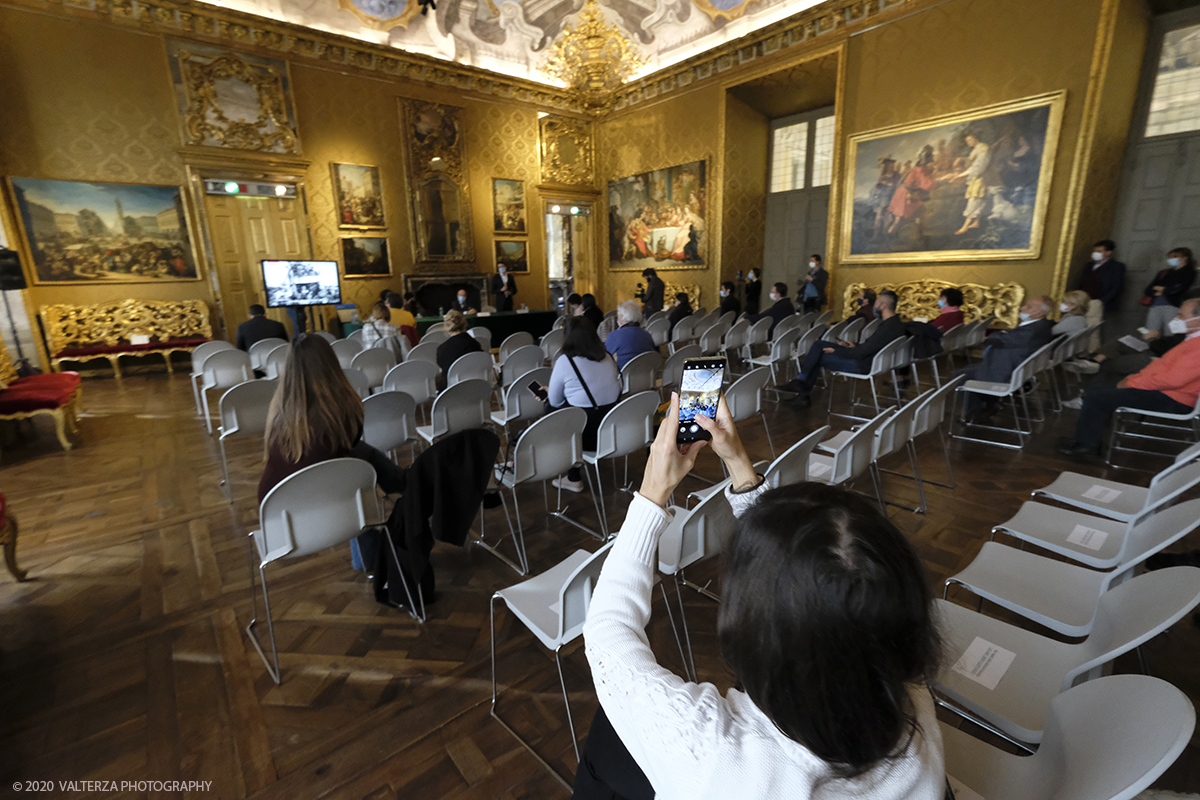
point(1170, 384)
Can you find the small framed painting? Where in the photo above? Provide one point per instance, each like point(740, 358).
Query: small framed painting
point(366, 257)
point(508, 205)
point(358, 195)
point(512, 255)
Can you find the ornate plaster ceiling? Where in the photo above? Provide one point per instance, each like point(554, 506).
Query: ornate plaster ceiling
point(513, 37)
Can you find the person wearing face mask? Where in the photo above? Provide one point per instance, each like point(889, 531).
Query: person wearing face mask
point(461, 304)
point(503, 289)
point(1170, 384)
point(1073, 309)
point(652, 300)
point(781, 307)
point(1104, 278)
point(1165, 293)
point(1003, 351)
point(729, 301)
point(866, 306)
point(845, 356)
point(753, 291)
point(950, 313)
point(811, 296)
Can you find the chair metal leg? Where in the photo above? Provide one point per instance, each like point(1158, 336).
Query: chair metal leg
point(685, 655)
point(416, 608)
point(877, 481)
point(226, 487)
point(598, 498)
point(766, 428)
point(195, 392)
point(566, 702)
point(272, 670)
point(561, 511)
point(207, 414)
point(953, 709)
point(521, 566)
point(496, 716)
point(916, 468)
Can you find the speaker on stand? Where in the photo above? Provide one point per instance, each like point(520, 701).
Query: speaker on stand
point(12, 277)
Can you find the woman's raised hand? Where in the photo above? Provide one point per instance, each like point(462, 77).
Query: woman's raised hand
point(728, 445)
point(669, 462)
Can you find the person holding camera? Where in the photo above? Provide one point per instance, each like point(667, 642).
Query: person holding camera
point(654, 293)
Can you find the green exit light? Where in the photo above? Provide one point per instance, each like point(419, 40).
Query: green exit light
point(574, 209)
point(231, 187)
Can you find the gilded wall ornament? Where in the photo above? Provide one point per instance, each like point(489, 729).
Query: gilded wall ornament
point(565, 146)
point(233, 100)
point(439, 198)
point(919, 299)
point(593, 59)
point(382, 15)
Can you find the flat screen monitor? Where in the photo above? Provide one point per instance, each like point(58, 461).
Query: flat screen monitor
point(301, 283)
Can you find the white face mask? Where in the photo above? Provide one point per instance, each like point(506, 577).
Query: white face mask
point(1174, 262)
point(1063, 307)
point(1097, 257)
point(1177, 326)
point(813, 265)
point(1025, 316)
point(774, 297)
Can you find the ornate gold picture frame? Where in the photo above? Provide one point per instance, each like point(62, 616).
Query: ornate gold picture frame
point(565, 147)
point(439, 198)
point(365, 257)
point(358, 196)
point(970, 186)
point(659, 219)
point(508, 206)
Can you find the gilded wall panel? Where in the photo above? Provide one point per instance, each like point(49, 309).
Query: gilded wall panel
point(744, 204)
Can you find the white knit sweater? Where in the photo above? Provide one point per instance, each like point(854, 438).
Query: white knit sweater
point(692, 742)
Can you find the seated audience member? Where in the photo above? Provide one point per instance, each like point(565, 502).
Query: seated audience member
point(866, 305)
point(585, 377)
point(680, 311)
point(781, 307)
point(574, 305)
point(1169, 384)
point(630, 338)
point(729, 301)
point(753, 290)
point(845, 356)
point(401, 312)
point(459, 344)
point(826, 622)
point(811, 294)
point(378, 328)
point(1074, 308)
point(950, 311)
point(461, 304)
point(258, 327)
point(316, 415)
point(591, 312)
point(1165, 293)
point(1003, 351)
point(1116, 360)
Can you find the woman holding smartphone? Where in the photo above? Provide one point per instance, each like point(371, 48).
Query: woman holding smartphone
point(826, 622)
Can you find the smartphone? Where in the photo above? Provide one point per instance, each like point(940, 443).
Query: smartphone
point(699, 393)
point(1143, 331)
point(537, 390)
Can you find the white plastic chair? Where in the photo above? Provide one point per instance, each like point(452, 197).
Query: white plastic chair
point(779, 354)
point(242, 411)
point(756, 334)
point(258, 351)
point(866, 330)
point(894, 435)
point(274, 362)
point(461, 407)
point(852, 456)
point(657, 315)
point(347, 349)
point(552, 342)
point(735, 339)
point(520, 404)
point(222, 370)
point(683, 333)
point(434, 337)
point(1126, 617)
point(199, 354)
point(931, 415)
point(519, 361)
point(427, 351)
point(1107, 739)
point(1173, 427)
point(326, 335)
point(417, 379)
point(639, 373)
point(356, 336)
point(547, 449)
point(627, 428)
point(796, 322)
point(882, 363)
point(483, 335)
point(375, 363)
point(1011, 390)
point(359, 381)
point(511, 344)
point(672, 371)
point(711, 339)
point(744, 399)
point(1122, 501)
point(314, 508)
point(824, 319)
point(791, 466)
point(553, 606)
point(727, 320)
point(472, 367)
point(389, 421)
point(436, 327)
point(659, 330)
point(1063, 596)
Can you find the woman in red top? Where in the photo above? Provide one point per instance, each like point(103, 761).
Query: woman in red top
point(951, 314)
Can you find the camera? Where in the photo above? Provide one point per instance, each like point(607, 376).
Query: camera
point(640, 294)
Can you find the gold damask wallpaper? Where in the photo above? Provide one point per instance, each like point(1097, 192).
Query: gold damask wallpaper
point(744, 203)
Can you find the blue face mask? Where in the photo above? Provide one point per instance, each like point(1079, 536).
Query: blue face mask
point(942, 302)
point(1174, 262)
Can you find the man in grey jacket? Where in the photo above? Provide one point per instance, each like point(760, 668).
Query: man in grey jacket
point(1005, 350)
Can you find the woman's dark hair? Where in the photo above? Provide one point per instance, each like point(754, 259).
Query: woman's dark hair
point(869, 295)
point(685, 302)
point(826, 620)
point(574, 299)
point(588, 301)
point(1186, 254)
point(954, 297)
point(580, 340)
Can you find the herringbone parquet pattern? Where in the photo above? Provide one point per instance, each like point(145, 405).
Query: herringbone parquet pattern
point(123, 657)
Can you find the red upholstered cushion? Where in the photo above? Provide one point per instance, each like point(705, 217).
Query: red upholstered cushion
point(66, 380)
point(13, 401)
point(104, 349)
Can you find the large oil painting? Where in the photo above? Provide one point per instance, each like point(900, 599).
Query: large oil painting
point(964, 187)
point(358, 195)
point(508, 205)
point(104, 232)
point(657, 219)
point(365, 257)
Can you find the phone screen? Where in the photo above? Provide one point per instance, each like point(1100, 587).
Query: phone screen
point(699, 393)
point(536, 388)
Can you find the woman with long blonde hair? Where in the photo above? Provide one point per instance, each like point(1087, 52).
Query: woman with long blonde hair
point(316, 415)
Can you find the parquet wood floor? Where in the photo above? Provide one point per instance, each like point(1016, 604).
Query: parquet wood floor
point(123, 657)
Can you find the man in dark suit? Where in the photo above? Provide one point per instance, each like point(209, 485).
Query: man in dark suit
point(1005, 350)
point(847, 356)
point(1104, 278)
point(729, 301)
point(781, 307)
point(811, 294)
point(259, 327)
point(652, 301)
point(503, 289)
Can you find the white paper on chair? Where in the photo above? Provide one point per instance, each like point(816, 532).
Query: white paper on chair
point(818, 469)
point(139, 338)
point(984, 663)
point(1102, 494)
point(1087, 537)
point(961, 790)
point(1134, 343)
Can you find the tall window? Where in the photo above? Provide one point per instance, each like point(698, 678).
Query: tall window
point(802, 151)
point(1175, 103)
